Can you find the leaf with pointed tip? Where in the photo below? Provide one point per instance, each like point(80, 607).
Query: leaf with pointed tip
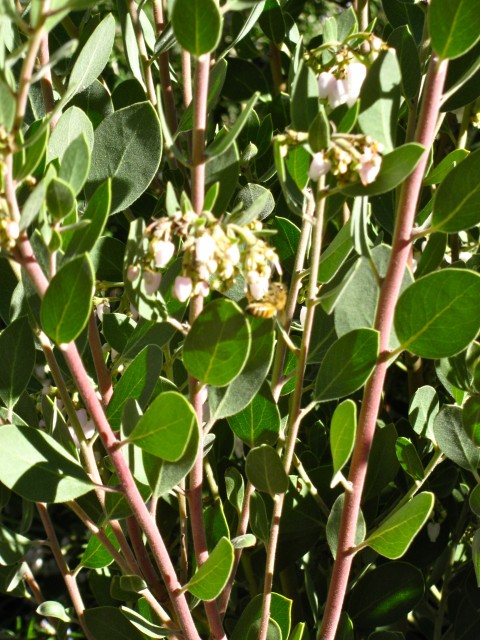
point(452, 439)
point(211, 577)
point(17, 353)
point(265, 470)
point(343, 428)
point(395, 534)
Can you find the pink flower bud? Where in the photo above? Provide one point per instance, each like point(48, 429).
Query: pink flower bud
point(369, 166)
point(151, 281)
point(355, 75)
point(319, 166)
point(13, 230)
point(202, 289)
point(133, 272)
point(182, 288)
point(233, 254)
point(164, 251)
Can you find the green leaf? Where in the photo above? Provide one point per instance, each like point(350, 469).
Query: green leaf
point(272, 22)
point(234, 487)
point(7, 106)
point(163, 475)
point(443, 168)
point(215, 84)
point(211, 577)
point(258, 203)
point(286, 240)
point(71, 124)
point(17, 353)
point(396, 166)
point(67, 302)
point(343, 428)
point(265, 470)
point(197, 25)
point(347, 365)
point(402, 41)
point(107, 622)
point(380, 100)
point(258, 519)
point(383, 463)
point(143, 625)
point(138, 382)
point(60, 198)
point(319, 131)
point(305, 104)
point(96, 556)
point(223, 169)
point(36, 467)
point(223, 143)
point(52, 609)
point(76, 163)
point(34, 151)
point(83, 240)
point(395, 534)
point(471, 419)
point(166, 427)
point(127, 149)
point(385, 595)
point(259, 422)
point(335, 254)
point(280, 611)
point(217, 346)
point(298, 632)
point(273, 630)
point(437, 316)
point(409, 459)
point(476, 555)
point(424, 406)
point(452, 439)
point(333, 525)
point(13, 546)
point(456, 205)
point(454, 26)
point(92, 58)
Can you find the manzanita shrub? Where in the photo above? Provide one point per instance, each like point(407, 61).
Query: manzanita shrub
point(239, 303)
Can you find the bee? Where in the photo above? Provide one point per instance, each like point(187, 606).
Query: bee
point(272, 303)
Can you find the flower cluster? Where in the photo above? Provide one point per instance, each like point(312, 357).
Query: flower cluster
point(214, 252)
point(349, 158)
point(342, 85)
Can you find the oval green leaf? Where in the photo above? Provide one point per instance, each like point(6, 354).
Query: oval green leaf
point(17, 348)
point(437, 316)
point(409, 459)
point(395, 534)
point(105, 623)
point(280, 611)
point(347, 365)
point(452, 439)
point(217, 346)
point(385, 595)
point(456, 205)
point(454, 26)
point(259, 422)
point(197, 25)
point(36, 467)
point(211, 577)
point(343, 428)
point(60, 198)
point(127, 149)
point(333, 525)
point(165, 428)
point(67, 302)
point(53, 609)
point(265, 470)
point(471, 419)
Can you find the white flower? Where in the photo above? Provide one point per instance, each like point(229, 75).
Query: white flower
point(326, 84)
point(182, 288)
point(202, 289)
point(102, 307)
point(433, 530)
point(259, 288)
point(151, 281)
point(319, 166)
point(13, 230)
point(132, 272)
point(370, 166)
point(303, 315)
point(355, 75)
point(164, 250)
point(205, 248)
point(233, 254)
point(88, 426)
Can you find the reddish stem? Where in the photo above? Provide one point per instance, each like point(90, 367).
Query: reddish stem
point(104, 378)
point(389, 293)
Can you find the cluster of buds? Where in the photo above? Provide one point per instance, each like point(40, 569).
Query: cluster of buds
point(214, 252)
point(341, 79)
point(349, 158)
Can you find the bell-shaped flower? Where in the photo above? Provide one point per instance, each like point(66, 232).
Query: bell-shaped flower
point(319, 166)
point(370, 164)
point(259, 288)
point(355, 74)
point(133, 272)
point(182, 288)
point(205, 248)
point(233, 254)
point(151, 281)
point(164, 250)
point(326, 84)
